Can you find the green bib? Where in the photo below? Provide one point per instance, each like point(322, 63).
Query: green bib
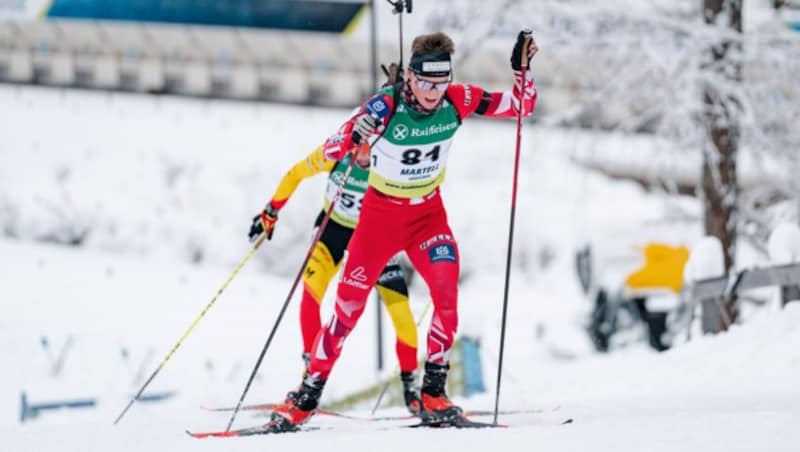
point(409, 159)
point(348, 207)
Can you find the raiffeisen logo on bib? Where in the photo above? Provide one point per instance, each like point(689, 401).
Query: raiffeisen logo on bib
point(433, 129)
point(351, 182)
point(401, 132)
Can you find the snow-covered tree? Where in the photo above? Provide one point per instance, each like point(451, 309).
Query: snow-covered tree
point(709, 77)
point(719, 180)
point(645, 67)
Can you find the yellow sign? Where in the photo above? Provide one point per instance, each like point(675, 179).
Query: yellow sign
point(662, 269)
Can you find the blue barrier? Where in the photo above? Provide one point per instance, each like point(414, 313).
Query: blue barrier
point(32, 411)
point(473, 370)
point(29, 411)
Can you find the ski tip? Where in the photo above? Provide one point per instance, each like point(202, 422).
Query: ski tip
point(198, 435)
point(210, 434)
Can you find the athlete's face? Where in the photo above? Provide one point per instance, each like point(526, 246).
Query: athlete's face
point(428, 90)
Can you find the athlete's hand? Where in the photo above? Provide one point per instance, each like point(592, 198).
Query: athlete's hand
point(524, 36)
point(264, 222)
point(365, 126)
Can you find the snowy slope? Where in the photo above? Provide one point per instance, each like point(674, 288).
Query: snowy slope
point(159, 182)
point(733, 392)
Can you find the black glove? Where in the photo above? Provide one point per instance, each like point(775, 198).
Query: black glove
point(524, 36)
point(263, 222)
point(365, 126)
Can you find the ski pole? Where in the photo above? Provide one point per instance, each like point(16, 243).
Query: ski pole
point(524, 68)
point(191, 327)
point(317, 236)
point(397, 366)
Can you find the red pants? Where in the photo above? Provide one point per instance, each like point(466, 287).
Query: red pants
point(387, 226)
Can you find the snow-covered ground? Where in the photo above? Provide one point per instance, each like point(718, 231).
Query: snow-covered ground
point(159, 192)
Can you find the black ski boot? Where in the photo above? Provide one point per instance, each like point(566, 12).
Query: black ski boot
point(411, 392)
point(436, 406)
point(299, 407)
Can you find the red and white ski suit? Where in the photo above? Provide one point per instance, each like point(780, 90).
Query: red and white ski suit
point(417, 225)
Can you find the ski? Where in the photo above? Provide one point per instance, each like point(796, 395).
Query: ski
point(271, 428)
point(456, 422)
point(478, 413)
point(256, 407)
point(272, 406)
point(461, 422)
point(265, 429)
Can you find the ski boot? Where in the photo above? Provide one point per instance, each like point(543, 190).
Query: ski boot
point(299, 408)
point(436, 406)
point(411, 391)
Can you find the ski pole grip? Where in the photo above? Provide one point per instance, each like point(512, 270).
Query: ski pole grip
point(525, 44)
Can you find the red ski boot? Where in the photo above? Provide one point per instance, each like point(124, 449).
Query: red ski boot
point(298, 408)
point(436, 406)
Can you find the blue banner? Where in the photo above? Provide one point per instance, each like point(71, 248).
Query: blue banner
point(311, 15)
